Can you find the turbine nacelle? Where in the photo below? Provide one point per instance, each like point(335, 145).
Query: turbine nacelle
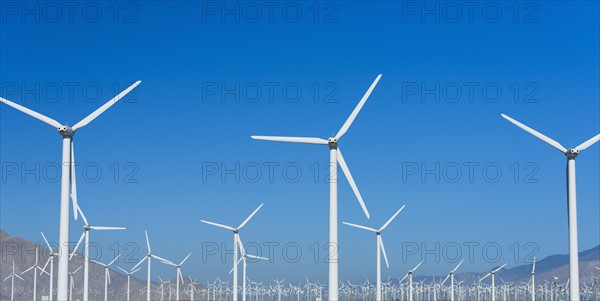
point(572, 153)
point(66, 131)
point(333, 142)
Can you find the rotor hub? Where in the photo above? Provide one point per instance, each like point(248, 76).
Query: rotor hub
point(66, 131)
point(572, 153)
point(333, 142)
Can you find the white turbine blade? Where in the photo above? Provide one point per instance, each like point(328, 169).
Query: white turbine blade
point(418, 265)
point(7, 277)
point(104, 107)
point(360, 227)
point(308, 140)
point(122, 270)
point(77, 245)
point(134, 270)
point(488, 274)
point(162, 259)
point(73, 182)
point(147, 241)
point(77, 270)
point(32, 113)
point(19, 277)
point(82, 216)
point(240, 245)
point(498, 269)
point(108, 275)
point(588, 143)
point(346, 171)
point(180, 276)
point(97, 262)
point(102, 228)
point(541, 136)
point(533, 269)
point(380, 242)
point(257, 257)
point(113, 261)
point(45, 265)
point(458, 265)
point(250, 217)
point(445, 279)
point(185, 259)
point(350, 119)
point(218, 225)
point(403, 278)
point(47, 243)
point(140, 262)
point(391, 219)
point(29, 269)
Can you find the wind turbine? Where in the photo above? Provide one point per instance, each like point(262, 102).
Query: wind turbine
point(243, 258)
point(335, 157)
point(35, 267)
point(51, 262)
point(12, 281)
point(571, 154)
point(178, 274)
point(128, 278)
point(451, 275)
point(380, 248)
point(72, 283)
point(533, 281)
point(106, 275)
point(67, 133)
point(148, 257)
point(86, 235)
point(493, 284)
point(410, 281)
point(235, 246)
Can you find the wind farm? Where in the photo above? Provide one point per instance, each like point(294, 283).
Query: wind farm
point(180, 189)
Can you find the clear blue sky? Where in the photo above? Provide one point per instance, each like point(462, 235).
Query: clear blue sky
point(542, 58)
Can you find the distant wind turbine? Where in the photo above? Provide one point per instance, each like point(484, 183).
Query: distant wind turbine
point(12, 281)
point(67, 133)
point(128, 278)
point(335, 157)
point(451, 275)
point(35, 267)
point(178, 273)
point(380, 248)
point(493, 283)
point(571, 154)
point(149, 257)
point(106, 275)
point(235, 246)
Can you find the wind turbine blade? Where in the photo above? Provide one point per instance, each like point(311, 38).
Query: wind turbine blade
point(29, 269)
point(77, 270)
point(140, 262)
point(250, 217)
point(163, 260)
point(308, 140)
point(7, 277)
point(380, 242)
point(104, 107)
point(218, 225)
point(147, 241)
point(391, 218)
point(240, 245)
point(458, 265)
point(488, 274)
point(445, 279)
point(47, 243)
point(73, 182)
point(352, 116)
point(417, 266)
point(185, 259)
point(541, 136)
point(113, 261)
point(32, 113)
point(360, 227)
point(82, 216)
point(97, 262)
point(77, 245)
point(180, 276)
point(122, 270)
point(346, 171)
point(45, 265)
point(588, 143)
point(101, 228)
point(403, 278)
point(257, 257)
point(108, 275)
point(135, 270)
point(498, 269)
point(533, 269)
point(19, 277)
